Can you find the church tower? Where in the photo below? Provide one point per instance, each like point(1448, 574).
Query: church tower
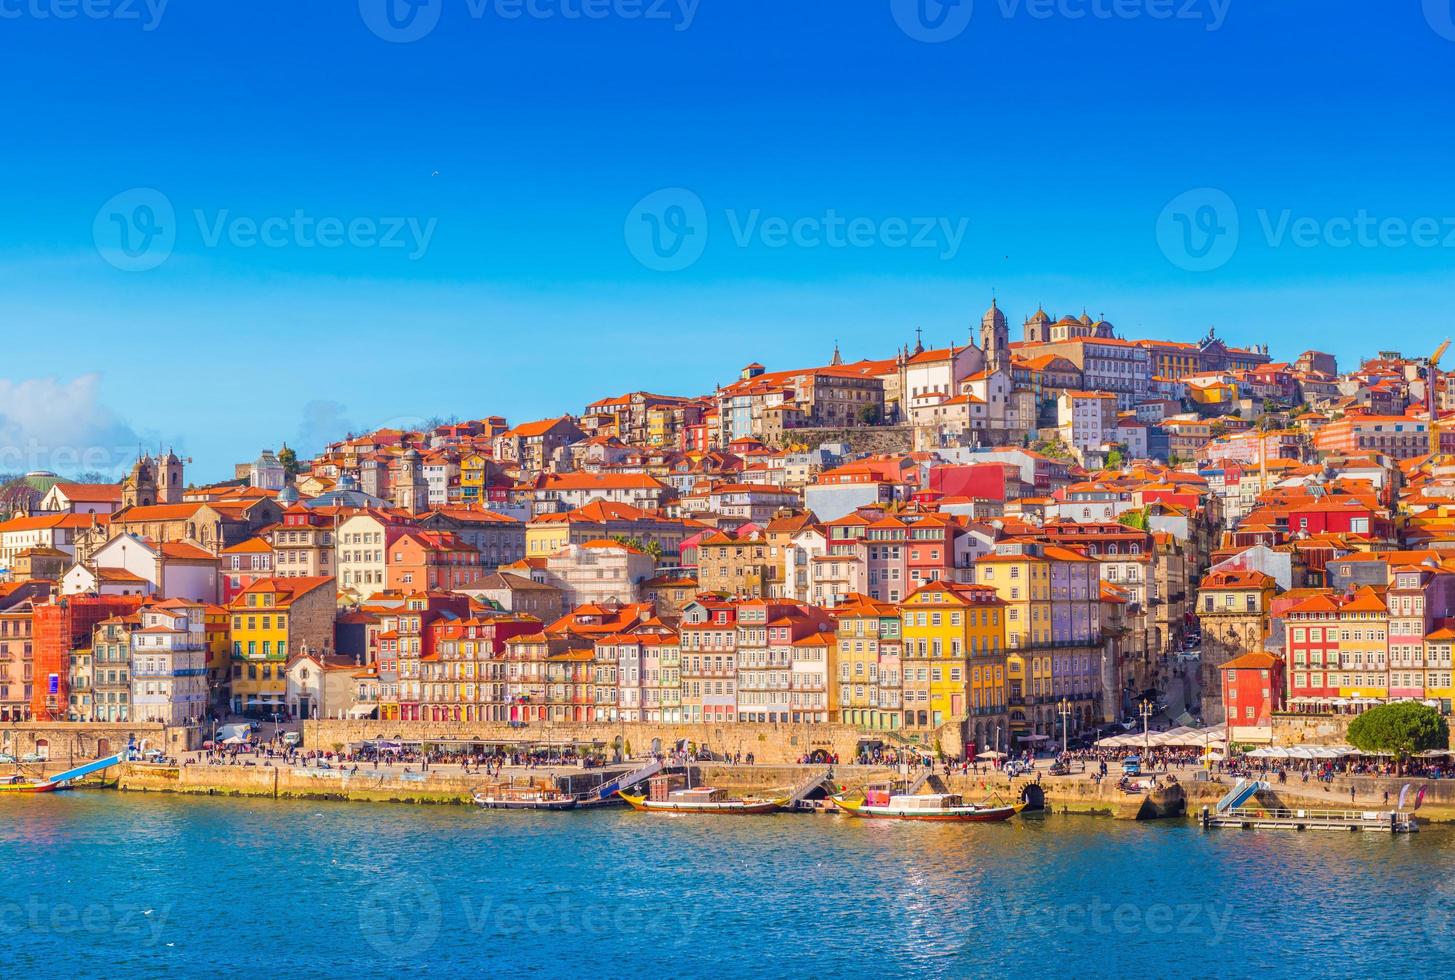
point(411, 491)
point(995, 339)
point(169, 479)
point(139, 489)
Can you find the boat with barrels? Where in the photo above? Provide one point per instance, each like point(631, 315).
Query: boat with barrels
point(665, 795)
point(881, 804)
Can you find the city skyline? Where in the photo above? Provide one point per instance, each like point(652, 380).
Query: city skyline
point(510, 225)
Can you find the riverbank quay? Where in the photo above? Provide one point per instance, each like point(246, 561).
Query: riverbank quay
point(1073, 794)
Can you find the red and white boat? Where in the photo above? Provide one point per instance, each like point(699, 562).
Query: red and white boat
point(14, 784)
point(929, 806)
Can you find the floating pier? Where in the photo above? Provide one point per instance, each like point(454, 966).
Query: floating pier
point(1285, 818)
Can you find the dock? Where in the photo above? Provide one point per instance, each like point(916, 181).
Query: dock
point(1257, 817)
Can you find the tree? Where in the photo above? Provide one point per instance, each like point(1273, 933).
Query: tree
point(1134, 519)
point(1115, 459)
point(653, 547)
point(1400, 729)
point(289, 459)
point(869, 415)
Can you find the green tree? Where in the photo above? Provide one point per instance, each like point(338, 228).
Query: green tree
point(1115, 459)
point(1400, 729)
point(653, 548)
point(1134, 519)
point(869, 415)
point(289, 459)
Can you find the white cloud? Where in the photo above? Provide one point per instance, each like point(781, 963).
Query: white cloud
point(51, 424)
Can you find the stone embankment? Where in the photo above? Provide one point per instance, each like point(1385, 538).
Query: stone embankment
point(1064, 794)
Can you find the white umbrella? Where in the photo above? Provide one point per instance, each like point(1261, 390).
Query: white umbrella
point(1034, 738)
point(990, 754)
point(1299, 752)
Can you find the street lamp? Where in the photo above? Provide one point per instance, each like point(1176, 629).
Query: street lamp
point(1145, 710)
point(1065, 712)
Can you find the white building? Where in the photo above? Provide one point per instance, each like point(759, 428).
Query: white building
point(82, 498)
point(169, 664)
point(174, 570)
point(1086, 419)
point(266, 473)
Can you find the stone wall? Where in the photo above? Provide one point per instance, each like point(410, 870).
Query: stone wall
point(769, 744)
point(81, 741)
point(863, 439)
point(1301, 729)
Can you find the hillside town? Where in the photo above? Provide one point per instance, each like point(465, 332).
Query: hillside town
point(985, 545)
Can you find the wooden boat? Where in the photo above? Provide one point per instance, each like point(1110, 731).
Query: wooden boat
point(12, 784)
point(703, 799)
point(929, 806)
point(528, 797)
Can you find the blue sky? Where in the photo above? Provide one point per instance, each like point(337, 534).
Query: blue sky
point(491, 186)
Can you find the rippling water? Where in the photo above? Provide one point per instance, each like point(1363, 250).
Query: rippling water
point(142, 886)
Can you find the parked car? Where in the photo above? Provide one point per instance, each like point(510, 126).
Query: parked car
point(1132, 766)
point(292, 738)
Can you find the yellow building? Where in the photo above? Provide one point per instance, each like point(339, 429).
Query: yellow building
point(472, 478)
point(1364, 646)
point(1439, 647)
point(955, 638)
point(1023, 582)
point(867, 640)
point(547, 534)
point(218, 622)
point(272, 619)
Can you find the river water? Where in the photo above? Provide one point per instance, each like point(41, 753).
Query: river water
point(128, 885)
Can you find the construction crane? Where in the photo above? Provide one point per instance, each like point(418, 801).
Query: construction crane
point(1432, 381)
